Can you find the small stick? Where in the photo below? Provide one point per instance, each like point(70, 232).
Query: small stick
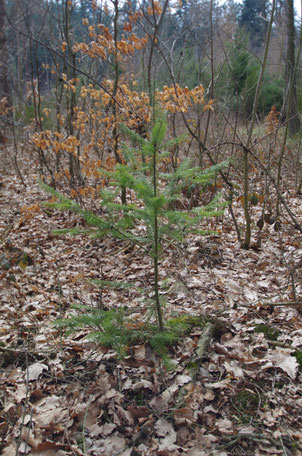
point(285, 304)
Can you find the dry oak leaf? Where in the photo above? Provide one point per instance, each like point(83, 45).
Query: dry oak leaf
point(28, 436)
point(234, 368)
point(281, 358)
point(138, 411)
point(183, 415)
point(35, 370)
point(163, 427)
point(104, 430)
point(114, 445)
point(225, 426)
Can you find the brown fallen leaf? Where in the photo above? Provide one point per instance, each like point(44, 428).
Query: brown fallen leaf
point(138, 411)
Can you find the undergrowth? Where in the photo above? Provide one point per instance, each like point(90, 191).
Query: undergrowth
point(117, 330)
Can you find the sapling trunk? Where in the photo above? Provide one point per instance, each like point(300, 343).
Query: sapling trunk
point(247, 239)
point(156, 286)
point(114, 93)
point(247, 217)
point(156, 244)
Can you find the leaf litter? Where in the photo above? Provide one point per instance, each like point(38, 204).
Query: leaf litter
point(65, 395)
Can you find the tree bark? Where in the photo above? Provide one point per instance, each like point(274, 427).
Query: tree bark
point(290, 74)
point(4, 84)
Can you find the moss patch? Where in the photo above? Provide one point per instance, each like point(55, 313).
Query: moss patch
point(298, 355)
point(185, 323)
point(246, 402)
point(269, 332)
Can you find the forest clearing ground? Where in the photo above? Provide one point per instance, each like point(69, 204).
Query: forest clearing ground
point(67, 396)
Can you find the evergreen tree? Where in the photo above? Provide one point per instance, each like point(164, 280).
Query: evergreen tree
point(239, 62)
point(252, 20)
point(154, 205)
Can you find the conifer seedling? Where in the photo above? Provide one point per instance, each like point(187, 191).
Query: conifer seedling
point(153, 203)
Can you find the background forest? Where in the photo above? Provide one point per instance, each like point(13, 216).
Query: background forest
point(73, 72)
point(150, 201)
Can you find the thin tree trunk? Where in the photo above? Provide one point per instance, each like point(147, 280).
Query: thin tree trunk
point(246, 243)
point(156, 247)
point(290, 75)
point(4, 82)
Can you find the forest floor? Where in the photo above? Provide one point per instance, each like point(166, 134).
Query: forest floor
point(65, 395)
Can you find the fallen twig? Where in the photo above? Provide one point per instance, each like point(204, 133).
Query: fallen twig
point(285, 304)
point(203, 343)
point(275, 343)
point(234, 439)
